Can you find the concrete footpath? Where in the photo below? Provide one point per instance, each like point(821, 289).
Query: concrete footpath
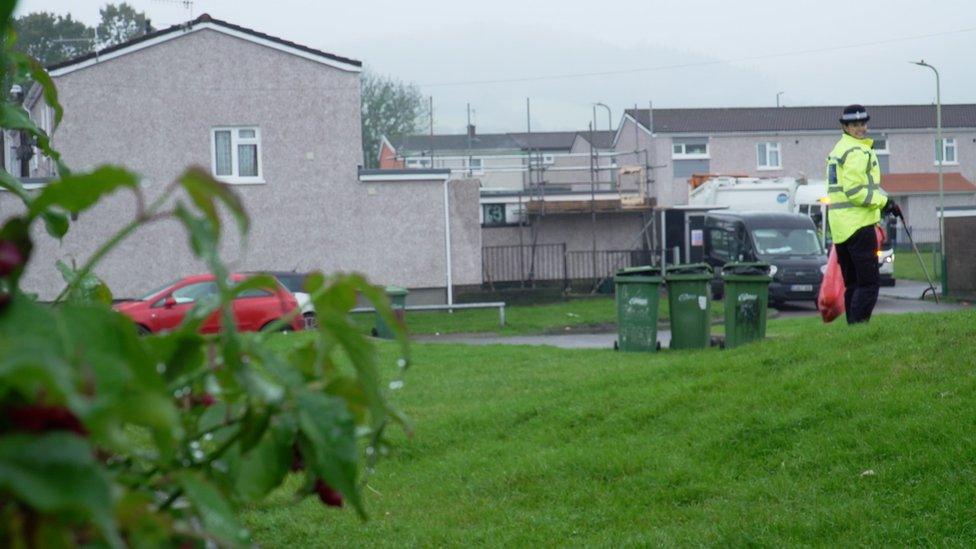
point(901, 298)
point(908, 289)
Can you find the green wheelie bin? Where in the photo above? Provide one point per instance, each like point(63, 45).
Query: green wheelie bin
point(746, 299)
point(690, 304)
point(637, 301)
point(398, 300)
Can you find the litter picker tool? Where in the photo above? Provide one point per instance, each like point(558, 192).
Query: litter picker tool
point(921, 263)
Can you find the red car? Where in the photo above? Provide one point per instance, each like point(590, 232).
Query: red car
point(163, 309)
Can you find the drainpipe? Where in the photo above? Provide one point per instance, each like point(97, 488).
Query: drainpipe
point(447, 243)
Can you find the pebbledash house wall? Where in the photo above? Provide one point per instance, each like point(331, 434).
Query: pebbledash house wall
point(153, 111)
point(801, 154)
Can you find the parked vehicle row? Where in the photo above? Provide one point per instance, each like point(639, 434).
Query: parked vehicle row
point(255, 309)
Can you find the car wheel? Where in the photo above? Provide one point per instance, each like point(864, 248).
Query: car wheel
point(311, 321)
point(142, 330)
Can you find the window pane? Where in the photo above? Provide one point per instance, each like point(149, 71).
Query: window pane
point(761, 154)
point(679, 148)
point(195, 292)
point(773, 157)
point(255, 292)
point(695, 148)
point(294, 283)
point(950, 153)
point(222, 166)
point(246, 134)
point(247, 160)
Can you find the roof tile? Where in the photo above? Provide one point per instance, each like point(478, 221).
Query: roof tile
point(769, 119)
point(905, 183)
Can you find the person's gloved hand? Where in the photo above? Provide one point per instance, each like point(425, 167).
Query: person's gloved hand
point(890, 208)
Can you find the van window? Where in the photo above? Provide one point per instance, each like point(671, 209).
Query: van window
point(787, 242)
point(721, 244)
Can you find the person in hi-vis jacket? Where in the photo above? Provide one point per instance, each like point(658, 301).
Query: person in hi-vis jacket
point(855, 205)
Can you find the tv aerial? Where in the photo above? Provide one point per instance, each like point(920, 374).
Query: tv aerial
point(187, 4)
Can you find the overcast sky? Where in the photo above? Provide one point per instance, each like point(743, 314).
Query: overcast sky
point(676, 53)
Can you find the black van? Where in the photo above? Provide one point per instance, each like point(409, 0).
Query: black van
point(789, 242)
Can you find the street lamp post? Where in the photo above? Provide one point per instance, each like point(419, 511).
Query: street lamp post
point(609, 116)
point(941, 159)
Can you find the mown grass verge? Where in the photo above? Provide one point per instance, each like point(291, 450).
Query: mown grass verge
point(585, 314)
point(822, 434)
point(907, 266)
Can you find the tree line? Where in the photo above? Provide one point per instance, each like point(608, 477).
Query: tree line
point(51, 38)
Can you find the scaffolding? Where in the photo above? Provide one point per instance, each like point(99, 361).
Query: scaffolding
point(597, 182)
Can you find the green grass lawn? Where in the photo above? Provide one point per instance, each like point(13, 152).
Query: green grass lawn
point(579, 314)
point(907, 267)
point(820, 435)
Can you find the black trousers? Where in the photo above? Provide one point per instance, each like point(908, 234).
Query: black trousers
point(859, 264)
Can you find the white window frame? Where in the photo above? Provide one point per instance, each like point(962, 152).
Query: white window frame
point(548, 159)
point(480, 170)
point(235, 140)
point(9, 154)
point(948, 143)
point(34, 162)
point(682, 155)
point(764, 165)
point(885, 149)
point(417, 163)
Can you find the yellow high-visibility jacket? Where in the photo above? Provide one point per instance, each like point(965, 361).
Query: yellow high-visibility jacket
point(854, 194)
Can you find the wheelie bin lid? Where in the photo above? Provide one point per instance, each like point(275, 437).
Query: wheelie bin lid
point(746, 272)
point(691, 271)
point(396, 290)
point(645, 273)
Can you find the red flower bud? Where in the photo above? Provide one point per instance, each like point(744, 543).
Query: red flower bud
point(206, 400)
point(11, 258)
point(45, 418)
point(327, 494)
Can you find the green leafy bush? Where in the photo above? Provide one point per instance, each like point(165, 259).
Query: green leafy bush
point(108, 438)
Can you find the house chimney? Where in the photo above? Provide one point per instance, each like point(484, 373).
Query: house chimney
point(471, 131)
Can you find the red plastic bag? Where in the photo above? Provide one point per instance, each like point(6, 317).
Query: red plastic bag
point(830, 303)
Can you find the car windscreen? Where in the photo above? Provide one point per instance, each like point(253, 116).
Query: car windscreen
point(786, 241)
point(155, 291)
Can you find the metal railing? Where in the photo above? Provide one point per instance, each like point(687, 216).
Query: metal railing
point(542, 262)
point(921, 236)
point(553, 262)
